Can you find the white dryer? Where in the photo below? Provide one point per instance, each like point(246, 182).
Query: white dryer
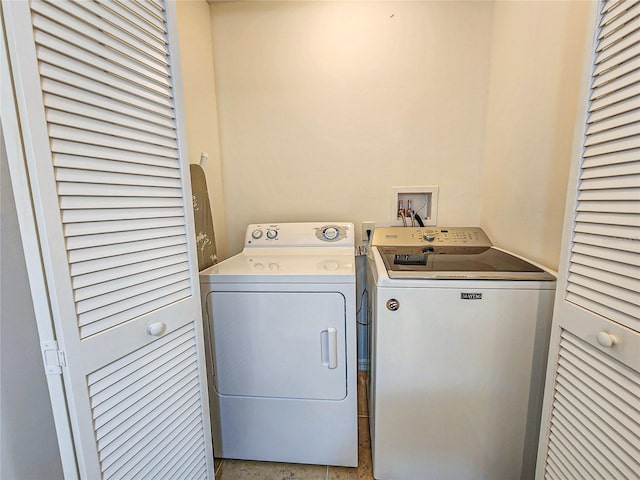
point(280, 319)
point(460, 332)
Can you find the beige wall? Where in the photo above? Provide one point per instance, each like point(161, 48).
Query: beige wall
point(196, 52)
point(536, 67)
point(324, 106)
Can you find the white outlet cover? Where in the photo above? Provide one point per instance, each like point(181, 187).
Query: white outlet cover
point(367, 225)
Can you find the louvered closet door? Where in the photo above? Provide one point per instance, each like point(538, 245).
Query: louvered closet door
point(98, 94)
point(591, 417)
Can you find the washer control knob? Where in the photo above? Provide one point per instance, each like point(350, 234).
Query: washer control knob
point(330, 233)
point(429, 237)
point(272, 234)
point(257, 233)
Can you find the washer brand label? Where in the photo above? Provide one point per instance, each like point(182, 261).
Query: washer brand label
point(470, 296)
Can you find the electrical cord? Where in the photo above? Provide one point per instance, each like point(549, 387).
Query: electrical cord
point(425, 202)
point(364, 291)
point(417, 217)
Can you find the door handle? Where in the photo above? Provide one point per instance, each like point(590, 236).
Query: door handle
point(156, 329)
point(329, 348)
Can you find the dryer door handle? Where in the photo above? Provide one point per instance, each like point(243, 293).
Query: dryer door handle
point(329, 347)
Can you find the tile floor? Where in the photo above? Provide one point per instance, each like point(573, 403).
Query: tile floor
point(242, 469)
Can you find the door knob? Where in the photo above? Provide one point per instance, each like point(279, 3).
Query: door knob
point(156, 329)
point(606, 340)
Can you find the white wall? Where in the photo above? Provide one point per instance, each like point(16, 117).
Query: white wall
point(323, 106)
point(196, 53)
point(536, 67)
point(28, 445)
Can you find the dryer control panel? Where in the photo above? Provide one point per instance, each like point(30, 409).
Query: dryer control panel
point(307, 234)
point(435, 236)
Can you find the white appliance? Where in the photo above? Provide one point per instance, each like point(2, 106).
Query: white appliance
point(281, 321)
point(459, 344)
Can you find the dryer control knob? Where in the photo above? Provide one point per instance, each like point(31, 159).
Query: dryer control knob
point(257, 233)
point(272, 234)
point(331, 233)
point(429, 237)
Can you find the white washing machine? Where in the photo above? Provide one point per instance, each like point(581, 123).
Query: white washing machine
point(459, 344)
point(280, 317)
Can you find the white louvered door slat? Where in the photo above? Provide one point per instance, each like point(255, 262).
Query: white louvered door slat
point(610, 26)
point(123, 131)
point(78, 135)
point(614, 9)
point(95, 189)
point(78, 175)
point(100, 28)
point(613, 170)
point(81, 242)
point(611, 159)
point(106, 287)
point(134, 118)
point(603, 440)
point(109, 267)
point(79, 216)
point(615, 120)
point(101, 165)
point(616, 59)
point(115, 225)
point(95, 151)
point(97, 76)
point(72, 203)
point(102, 287)
point(97, 84)
point(107, 426)
point(609, 205)
point(57, 33)
point(100, 97)
point(97, 32)
point(591, 414)
point(608, 242)
point(620, 256)
point(111, 12)
point(629, 93)
point(93, 273)
point(99, 57)
point(63, 76)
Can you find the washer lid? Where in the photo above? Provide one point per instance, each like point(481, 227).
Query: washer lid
point(294, 266)
point(458, 262)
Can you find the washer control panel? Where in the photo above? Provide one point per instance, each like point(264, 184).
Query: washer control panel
point(436, 236)
point(299, 235)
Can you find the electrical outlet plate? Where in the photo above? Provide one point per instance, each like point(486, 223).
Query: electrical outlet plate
point(367, 226)
point(424, 200)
